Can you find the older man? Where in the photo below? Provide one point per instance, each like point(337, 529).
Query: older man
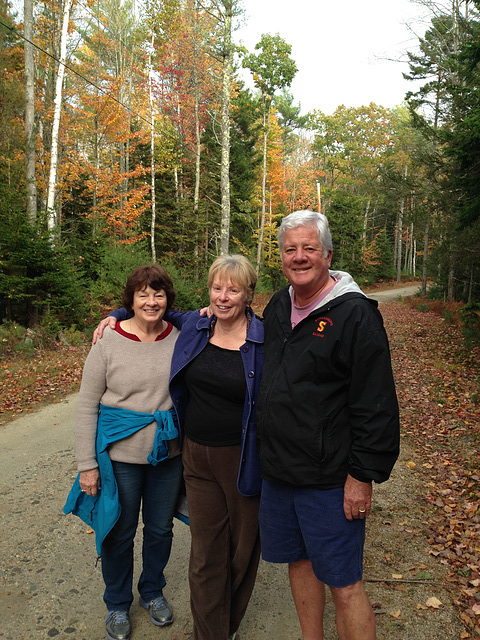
point(328, 427)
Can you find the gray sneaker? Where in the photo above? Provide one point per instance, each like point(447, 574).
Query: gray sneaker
point(118, 625)
point(160, 611)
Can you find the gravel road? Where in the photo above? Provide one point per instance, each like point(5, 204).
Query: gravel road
point(394, 294)
point(51, 586)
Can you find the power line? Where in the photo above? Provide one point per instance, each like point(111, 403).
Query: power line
point(77, 73)
point(89, 82)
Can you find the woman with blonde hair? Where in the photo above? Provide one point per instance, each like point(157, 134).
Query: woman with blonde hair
point(214, 381)
point(216, 371)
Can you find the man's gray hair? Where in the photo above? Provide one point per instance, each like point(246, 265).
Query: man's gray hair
point(307, 219)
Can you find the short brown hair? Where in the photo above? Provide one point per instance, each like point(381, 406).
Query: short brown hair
point(145, 276)
point(236, 268)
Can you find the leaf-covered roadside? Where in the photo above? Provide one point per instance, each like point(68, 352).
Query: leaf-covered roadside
point(29, 381)
point(438, 383)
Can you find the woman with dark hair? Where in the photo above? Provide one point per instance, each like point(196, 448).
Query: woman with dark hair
point(214, 381)
point(128, 449)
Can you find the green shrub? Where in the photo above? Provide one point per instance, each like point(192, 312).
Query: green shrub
point(72, 337)
point(23, 340)
point(36, 275)
point(470, 320)
point(190, 293)
point(117, 264)
point(449, 316)
point(12, 335)
point(435, 292)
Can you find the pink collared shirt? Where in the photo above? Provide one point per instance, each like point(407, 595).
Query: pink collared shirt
point(299, 313)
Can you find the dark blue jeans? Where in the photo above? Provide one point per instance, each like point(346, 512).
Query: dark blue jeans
point(156, 489)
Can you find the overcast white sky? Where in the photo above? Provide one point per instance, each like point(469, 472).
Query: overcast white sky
point(345, 50)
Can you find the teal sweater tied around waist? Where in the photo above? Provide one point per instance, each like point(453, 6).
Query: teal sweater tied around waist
point(102, 511)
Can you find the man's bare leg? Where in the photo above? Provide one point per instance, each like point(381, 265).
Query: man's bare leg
point(309, 597)
point(354, 614)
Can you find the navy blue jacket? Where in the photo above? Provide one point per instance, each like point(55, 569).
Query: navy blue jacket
point(194, 336)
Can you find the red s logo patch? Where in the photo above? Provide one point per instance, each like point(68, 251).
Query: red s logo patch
point(322, 324)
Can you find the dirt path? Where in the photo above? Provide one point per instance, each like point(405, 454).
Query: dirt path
point(394, 294)
point(51, 586)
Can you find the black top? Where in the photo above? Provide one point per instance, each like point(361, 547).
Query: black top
point(216, 386)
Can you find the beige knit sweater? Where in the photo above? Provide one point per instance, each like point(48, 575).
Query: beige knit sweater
point(120, 372)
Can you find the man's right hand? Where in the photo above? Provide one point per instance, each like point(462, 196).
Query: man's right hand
point(109, 321)
point(206, 311)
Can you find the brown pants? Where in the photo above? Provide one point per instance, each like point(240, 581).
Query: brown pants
point(225, 547)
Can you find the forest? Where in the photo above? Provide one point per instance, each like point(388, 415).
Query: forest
point(128, 136)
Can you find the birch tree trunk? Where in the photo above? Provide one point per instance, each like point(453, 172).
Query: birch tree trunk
point(365, 224)
point(152, 153)
point(30, 176)
point(198, 146)
point(425, 254)
point(52, 222)
point(225, 129)
point(266, 127)
point(400, 224)
point(427, 225)
point(451, 281)
point(196, 196)
point(399, 239)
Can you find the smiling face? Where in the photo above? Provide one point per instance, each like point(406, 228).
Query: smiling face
point(304, 264)
point(149, 305)
point(228, 300)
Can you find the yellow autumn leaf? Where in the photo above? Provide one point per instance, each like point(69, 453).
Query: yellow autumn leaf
point(434, 603)
point(421, 606)
point(411, 464)
point(397, 576)
point(395, 614)
point(90, 531)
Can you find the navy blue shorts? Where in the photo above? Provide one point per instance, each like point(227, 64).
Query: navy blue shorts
point(298, 523)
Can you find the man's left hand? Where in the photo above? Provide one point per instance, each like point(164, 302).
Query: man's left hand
point(357, 499)
point(206, 311)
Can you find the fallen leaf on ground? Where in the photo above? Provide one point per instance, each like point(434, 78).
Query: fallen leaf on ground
point(434, 603)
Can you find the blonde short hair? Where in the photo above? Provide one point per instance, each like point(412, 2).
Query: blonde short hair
point(237, 269)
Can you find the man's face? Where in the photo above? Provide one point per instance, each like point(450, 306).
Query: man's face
point(303, 263)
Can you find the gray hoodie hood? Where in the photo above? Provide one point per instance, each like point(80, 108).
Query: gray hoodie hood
point(345, 284)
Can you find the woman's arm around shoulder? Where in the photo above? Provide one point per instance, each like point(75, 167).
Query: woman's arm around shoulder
point(180, 318)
